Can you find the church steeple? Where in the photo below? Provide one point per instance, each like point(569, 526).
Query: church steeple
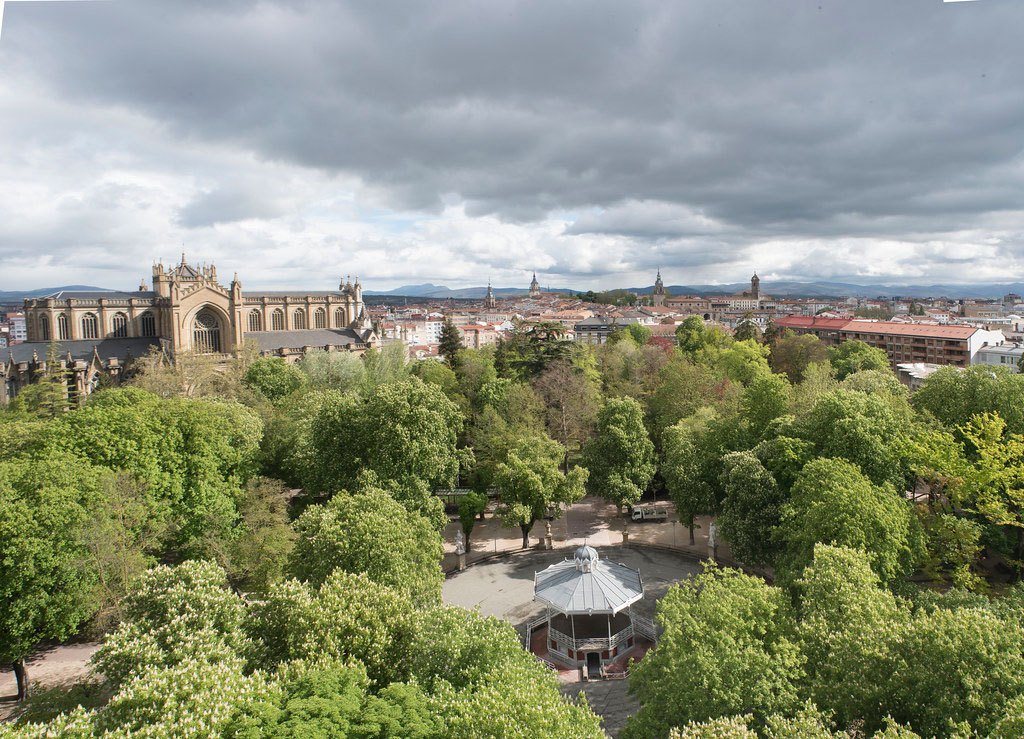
point(755, 286)
point(658, 294)
point(489, 301)
point(535, 291)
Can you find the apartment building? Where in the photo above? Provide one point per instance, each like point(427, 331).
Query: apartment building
point(903, 343)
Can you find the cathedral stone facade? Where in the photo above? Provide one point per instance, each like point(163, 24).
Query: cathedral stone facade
point(187, 310)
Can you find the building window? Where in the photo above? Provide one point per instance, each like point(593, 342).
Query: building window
point(277, 320)
point(320, 318)
point(147, 324)
point(255, 321)
point(206, 333)
point(119, 324)
point(90, 326)
point(44, 328)
point(299, 319)
point(339, 318)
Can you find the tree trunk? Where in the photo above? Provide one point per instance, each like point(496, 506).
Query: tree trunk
point(692, 541)
point(526, 534)
point(21, 675)
point(467, 540)
point(1020, 551)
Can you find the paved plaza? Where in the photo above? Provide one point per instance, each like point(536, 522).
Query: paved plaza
point(503, 587)
point(592, 521)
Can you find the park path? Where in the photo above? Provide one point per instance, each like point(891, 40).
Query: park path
point(592, 521)
point(49, 667)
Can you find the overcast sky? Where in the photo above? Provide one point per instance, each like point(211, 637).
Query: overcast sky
point(449, 142)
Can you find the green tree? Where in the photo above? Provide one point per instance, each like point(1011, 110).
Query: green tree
point(451, 343)
point(639, 333)
point(876, 314)
point(953, 546)
point(405, 433)
point(693, 450)
point(47, 583)
point(336, 700)
point(630, 370)
point(693, 336)
point(751, 508)
point(174, 616)
point(273, 378)
point(342, 371)
point(530, 483)
point(728, 648)
point(955, 394)
point(747, 330)
point(349, 618)
point(385, 366)
point(993, 485)
point(832, 502)
point(256, 549)
point(741, 361)
point(621, 457)
point(531, 348)
point(868, 430)
point(818, 380)
point(570, 401)
point(856, 356)
point(794, 353)
point(684, 388)
point(956, 666)
point(50, 395)
point(764, 400)
point(471, 505)
point(125, 532)
point(849, 629)
point(437, 373)
point(369, 532)
point(192, 455)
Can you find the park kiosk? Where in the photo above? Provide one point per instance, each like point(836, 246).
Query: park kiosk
point(589, 609)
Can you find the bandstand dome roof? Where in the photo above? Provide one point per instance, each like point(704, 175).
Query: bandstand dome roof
point(587, 584)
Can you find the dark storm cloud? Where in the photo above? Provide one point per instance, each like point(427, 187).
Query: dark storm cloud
point(701, 126)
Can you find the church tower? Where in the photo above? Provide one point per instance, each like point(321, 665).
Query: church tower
point(535, 287)
point(658, 294)
point(755, 287)
point(489, 301)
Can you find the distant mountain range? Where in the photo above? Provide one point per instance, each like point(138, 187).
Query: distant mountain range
point(11, 296)
point(795, 289)
point(429, 290)
point(782, 288)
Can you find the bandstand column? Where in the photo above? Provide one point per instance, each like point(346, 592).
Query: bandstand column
point(572, 623)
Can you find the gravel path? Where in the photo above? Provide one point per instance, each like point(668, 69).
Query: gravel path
point(48, 667)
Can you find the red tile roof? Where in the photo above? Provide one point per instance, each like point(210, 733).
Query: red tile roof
point(882, 328)
point(812, 322)
point(891, 328)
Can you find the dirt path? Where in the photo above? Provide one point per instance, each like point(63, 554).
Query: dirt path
point(49, 667)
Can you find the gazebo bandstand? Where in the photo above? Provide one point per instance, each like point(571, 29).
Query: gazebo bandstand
point(589, 609)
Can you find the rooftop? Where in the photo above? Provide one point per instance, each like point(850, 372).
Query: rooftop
point(97, 294)
point(80, 350)
point(269, 341)
point(588, 584)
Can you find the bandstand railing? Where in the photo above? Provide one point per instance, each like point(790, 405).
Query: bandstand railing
point(645, 627)
point(589, 644)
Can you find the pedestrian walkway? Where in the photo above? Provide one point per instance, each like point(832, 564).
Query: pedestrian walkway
point(592, 521)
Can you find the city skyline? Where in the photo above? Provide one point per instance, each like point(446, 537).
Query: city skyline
point(869, 143)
